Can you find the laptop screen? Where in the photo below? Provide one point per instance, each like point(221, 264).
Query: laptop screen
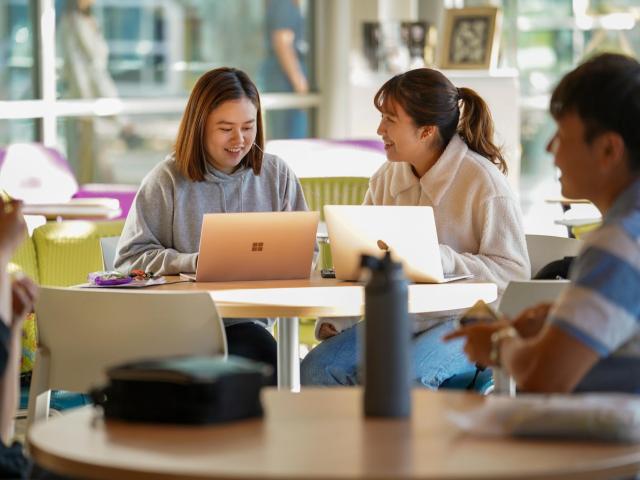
point(409, 233)
point(256, 246)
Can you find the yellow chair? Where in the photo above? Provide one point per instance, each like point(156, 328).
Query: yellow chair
point(581, 230)
point(58, 254)
point(318, 192)
point(68, 251)
point(321, 191)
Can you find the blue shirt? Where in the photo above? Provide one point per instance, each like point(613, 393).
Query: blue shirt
point(601, 307)
point(281, 15)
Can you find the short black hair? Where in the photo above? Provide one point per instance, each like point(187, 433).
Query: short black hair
point(605, 93)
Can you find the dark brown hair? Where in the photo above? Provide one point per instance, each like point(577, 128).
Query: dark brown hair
point(605, 93)
point(210, 91)
point(430, 99)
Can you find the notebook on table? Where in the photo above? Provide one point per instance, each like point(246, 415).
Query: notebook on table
point(409, 233)
point(256, 246)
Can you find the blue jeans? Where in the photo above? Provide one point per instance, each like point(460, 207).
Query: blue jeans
point(335, 360)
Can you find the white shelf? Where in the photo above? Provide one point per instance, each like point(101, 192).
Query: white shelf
point(611, 21)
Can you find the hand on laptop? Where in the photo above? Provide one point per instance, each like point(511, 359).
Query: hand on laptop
point(327, 330)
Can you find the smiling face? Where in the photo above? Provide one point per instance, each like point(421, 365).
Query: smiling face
point(229, 133)
point(576, 159)
point(401, 137)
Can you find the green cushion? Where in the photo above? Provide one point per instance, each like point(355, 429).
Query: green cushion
point(25, 260)
point(321, 191)
point(68, 251)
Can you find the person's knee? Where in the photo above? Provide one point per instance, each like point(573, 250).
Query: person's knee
point(435, 361)
point(313, 368)
point(320, 367)
point(253, 342)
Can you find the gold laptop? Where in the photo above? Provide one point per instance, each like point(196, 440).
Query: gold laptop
point(256, 246)
point(409, 233)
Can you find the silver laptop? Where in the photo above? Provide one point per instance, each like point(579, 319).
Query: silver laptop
point(409, 233)
point(256, 246)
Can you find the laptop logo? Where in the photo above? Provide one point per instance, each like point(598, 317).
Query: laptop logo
point(382, 245)
point(257, 246)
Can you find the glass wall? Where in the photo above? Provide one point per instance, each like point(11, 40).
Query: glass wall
point(123, 70)
point(16, 50)
point(552, 36)
point(16, 131)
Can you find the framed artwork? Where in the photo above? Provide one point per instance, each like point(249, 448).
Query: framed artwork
point(397, 46)
point(470, 38)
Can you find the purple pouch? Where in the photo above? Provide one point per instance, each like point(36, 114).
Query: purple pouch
point(109, 278)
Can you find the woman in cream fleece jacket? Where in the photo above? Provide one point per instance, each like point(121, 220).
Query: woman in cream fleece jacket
point(218, 166)
point(440, 155)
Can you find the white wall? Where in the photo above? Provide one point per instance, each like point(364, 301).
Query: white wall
point(348, 89)
point(500, 91)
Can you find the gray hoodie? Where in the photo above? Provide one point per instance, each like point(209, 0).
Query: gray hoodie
point(162, 231)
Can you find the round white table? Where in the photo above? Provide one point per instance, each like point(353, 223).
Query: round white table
point(288, 300)
point(318, 433)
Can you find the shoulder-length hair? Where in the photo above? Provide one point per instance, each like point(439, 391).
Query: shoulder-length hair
point(210, 91)
point(430, 98)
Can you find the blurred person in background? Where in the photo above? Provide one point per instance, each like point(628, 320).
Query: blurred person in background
point(284, 69)
point(86, 76)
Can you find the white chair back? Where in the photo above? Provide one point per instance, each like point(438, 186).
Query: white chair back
point(82, 332)
point(547, 248)
point(517, 296)
point(108, 246)
point(522, 294)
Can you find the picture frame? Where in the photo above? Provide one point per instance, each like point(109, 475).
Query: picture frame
point(471, 38)
point(395, 46)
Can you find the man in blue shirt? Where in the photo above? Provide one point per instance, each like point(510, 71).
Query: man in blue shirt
point(589, 339)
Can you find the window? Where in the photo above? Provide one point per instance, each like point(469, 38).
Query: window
point(16, 50)
point(123, 70)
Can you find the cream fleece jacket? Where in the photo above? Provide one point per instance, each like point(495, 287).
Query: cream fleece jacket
point(478, 219)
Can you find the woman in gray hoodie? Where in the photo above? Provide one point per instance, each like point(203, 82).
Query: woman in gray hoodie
point(218, 166)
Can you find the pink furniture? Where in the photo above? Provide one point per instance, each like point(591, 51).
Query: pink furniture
point(42, 175)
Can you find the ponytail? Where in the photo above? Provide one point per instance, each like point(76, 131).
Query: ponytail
point(476, 127)
point(430, 98)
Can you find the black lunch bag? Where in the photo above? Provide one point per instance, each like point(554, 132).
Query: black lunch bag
point(184, 390)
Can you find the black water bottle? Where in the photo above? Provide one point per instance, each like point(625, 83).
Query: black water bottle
point(387, 343)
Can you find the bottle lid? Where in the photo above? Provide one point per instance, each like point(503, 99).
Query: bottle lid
point(380, 264)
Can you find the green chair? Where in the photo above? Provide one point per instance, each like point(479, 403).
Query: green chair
point(318, 192)
point(59, 254)
point(68, 251)
point(321, 191)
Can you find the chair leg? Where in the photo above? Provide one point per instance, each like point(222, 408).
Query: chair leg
point(288, 354)
point(503, 383)
point(39, 391)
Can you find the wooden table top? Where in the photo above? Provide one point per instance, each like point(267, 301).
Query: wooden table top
point(324, 297)
point(318, 433)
